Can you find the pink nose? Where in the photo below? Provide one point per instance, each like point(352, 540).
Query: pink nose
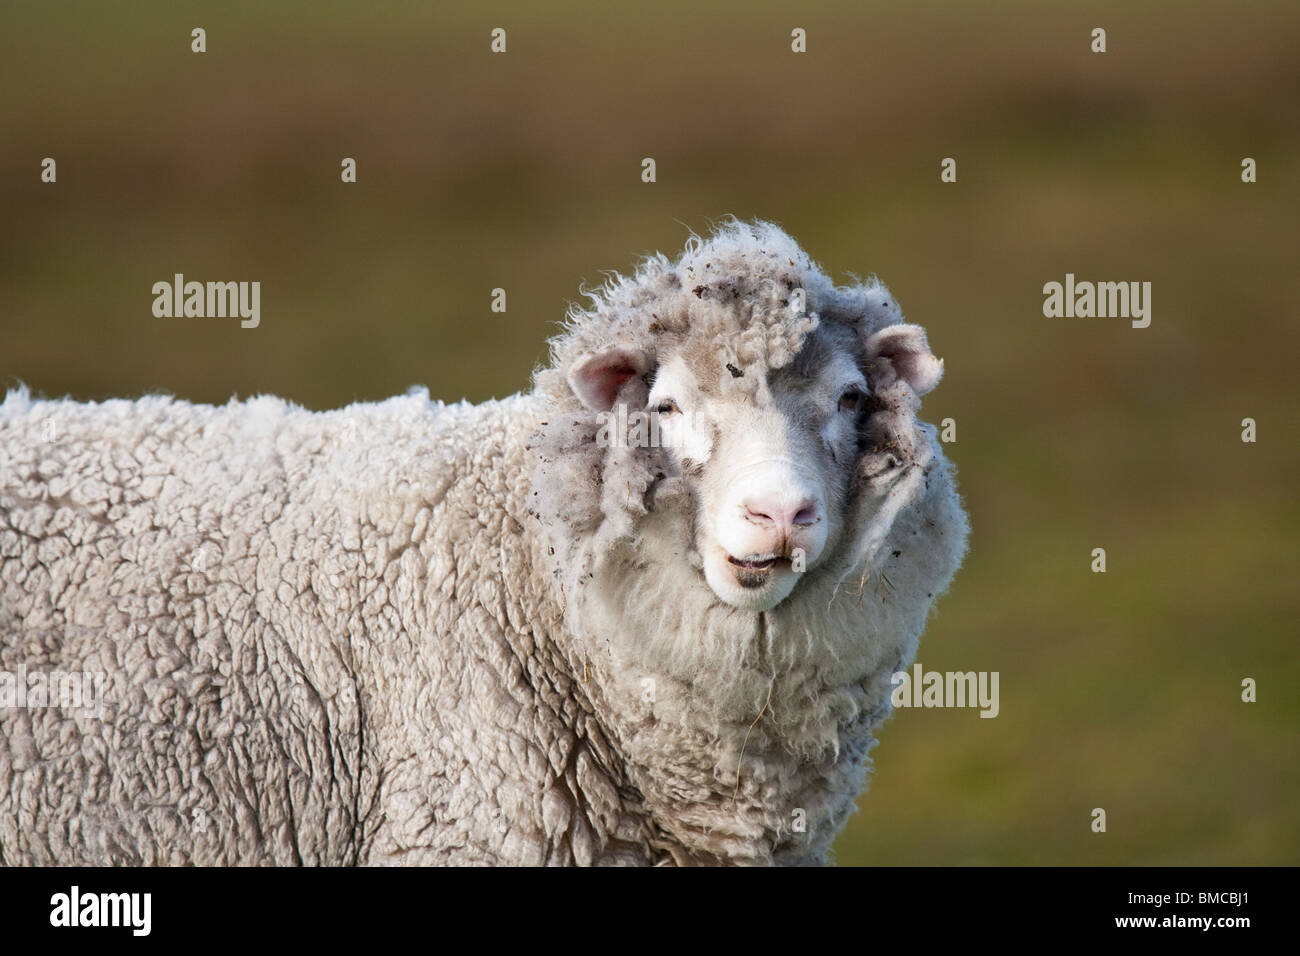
point(780, 516)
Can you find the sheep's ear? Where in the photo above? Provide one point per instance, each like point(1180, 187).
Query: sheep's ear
point(901, 352)
point(597, 378)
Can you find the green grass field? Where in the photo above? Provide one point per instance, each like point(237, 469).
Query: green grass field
point(1118, 690)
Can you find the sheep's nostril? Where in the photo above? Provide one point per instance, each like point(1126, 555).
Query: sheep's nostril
point(758, 517)
point(805, 516)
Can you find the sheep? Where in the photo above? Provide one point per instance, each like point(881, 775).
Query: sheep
point(517, 632)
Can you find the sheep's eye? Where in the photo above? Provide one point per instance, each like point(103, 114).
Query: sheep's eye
point(667, 407)
point(851, 401)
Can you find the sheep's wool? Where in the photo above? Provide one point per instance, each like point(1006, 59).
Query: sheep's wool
point(416, 633)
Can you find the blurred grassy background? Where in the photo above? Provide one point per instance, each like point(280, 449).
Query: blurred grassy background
point(523, 171)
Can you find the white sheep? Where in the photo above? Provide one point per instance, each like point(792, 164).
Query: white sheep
point(517, 632)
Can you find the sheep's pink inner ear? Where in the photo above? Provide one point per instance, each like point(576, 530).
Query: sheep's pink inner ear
point(596, 379)
point(901, 352)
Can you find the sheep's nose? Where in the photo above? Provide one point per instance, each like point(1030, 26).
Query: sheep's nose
point(800, 514)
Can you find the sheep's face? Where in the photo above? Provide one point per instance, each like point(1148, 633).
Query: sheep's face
point(770, 451)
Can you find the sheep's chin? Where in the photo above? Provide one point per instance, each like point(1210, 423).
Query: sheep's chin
point(724, 579)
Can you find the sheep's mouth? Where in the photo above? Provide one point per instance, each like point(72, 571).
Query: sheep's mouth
point(755, 572)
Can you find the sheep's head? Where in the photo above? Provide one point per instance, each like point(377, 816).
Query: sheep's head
point(741, 388)
point(769, 446)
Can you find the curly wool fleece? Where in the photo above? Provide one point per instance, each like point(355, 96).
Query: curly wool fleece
point(417, 633)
